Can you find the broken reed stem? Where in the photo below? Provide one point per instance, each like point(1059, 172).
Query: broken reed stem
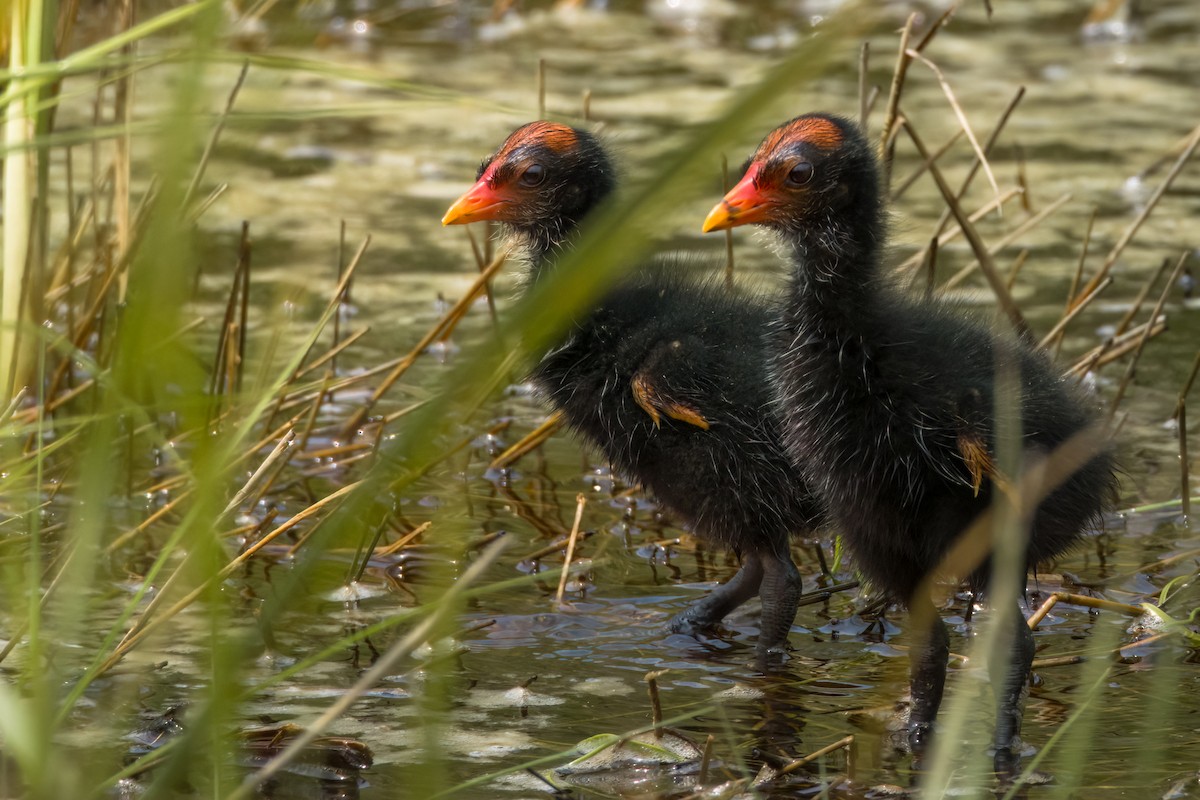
point(706, 756)
point(1191, 378)
point(986, 265)
point(580, 502)
point(448, 321)
point(1137, 353)
point(888, 132)
point(963, 122)
point(1185, 482)
point(656, 716)
point(1143, 293)
point(944, 220)
point(846, 743)
point(1057, 331)
point(1005, 241)
point(864, 108)
point(1055, 598)
point(728, 231)
point(541, 88)
point(1192, 141)
point(198, 176)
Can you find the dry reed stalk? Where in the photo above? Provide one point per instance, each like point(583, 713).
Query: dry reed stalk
point(541, 88)
point(122, 161)
point(211, 145)
point(150, 625)
point(888, 131)
point(580, 502)
point(993, 137)
point(448, 320)
point(1015, 270)
point(706, 756)
point(1143, 293)
point(1009, 238)
point(403, 542)
point(1076, 277)
point(656, 716)
point(554, 547)
point(530, 441)
point(946, 236)
point(1191, 378)
point(1115, 348)
point(864, 111)
point(913, 176)
point(845, 743)
point(347, 276)
point(728, 231)
point(1080, 600)
point(1141, 343)
point(1056, 332)
point(930, 267)
point(197, 211)
point(963, 122)
point(1185, 482)
point(1193, 141)
point(332, 353)
point(986, 265)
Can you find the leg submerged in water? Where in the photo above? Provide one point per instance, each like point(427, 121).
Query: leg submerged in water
point(780, 593)
point(718, 603)
point(927, 674)
point(1010, 681)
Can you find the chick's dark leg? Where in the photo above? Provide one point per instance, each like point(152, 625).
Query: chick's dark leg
point(714, 606)
point(780, 593)
point(927, 673)
point(1010, 679)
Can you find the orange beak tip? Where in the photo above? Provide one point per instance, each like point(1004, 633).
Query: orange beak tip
point(718, 219)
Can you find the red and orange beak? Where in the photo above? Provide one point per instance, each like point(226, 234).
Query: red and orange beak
point(479, 203)
point(744, 204)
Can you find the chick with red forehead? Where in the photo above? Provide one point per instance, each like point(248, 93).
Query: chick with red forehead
point(666, 374)
point(888, 403)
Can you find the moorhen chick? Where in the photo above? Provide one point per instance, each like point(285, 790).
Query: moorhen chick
point(887, 400)
point(665, 374)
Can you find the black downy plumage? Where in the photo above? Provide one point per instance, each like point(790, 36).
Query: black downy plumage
point(665, 374)
point(887, 401)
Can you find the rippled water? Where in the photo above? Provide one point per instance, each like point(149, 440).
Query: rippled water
point(1096, 114)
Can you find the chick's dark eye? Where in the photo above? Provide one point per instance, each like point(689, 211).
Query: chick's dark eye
point(533, 175)
point(801, 174)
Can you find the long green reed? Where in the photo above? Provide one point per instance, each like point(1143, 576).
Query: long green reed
point(121, 380)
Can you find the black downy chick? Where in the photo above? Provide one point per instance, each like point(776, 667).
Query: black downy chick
point(888, 401)
point(666, 375)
